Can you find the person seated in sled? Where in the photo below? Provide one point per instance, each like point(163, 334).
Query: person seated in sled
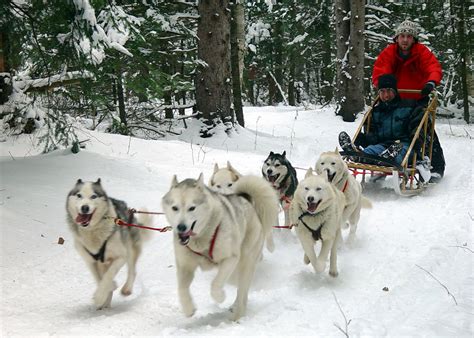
point(389, 133)
point(415, 67)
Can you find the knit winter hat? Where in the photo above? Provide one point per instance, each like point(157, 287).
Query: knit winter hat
point(408, 27)
point(388, 81)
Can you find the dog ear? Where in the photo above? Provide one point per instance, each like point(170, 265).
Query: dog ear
point(174, 181)
point(216, 168)
point(271, 153)
point(336, 151)
point(309, 172)
point(79, 181)
point(284, 153)
point(233, 171)
point(200, 180)
point(98, 181)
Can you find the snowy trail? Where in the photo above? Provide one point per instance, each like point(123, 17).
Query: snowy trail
point(47, 290)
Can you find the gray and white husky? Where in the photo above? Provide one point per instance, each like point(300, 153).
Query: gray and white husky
point(213, 230)
point(104, 246)
point(331, 164)
point(317, 211)
point(277, 170)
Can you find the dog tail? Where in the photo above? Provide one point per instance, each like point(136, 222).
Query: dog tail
point(366, 203)
point(265, 202)
point(146, 220)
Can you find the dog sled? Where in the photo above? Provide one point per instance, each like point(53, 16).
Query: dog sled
point(407, 179)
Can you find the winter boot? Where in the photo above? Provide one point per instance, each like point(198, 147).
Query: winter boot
point(424, 168)
point(345, 142)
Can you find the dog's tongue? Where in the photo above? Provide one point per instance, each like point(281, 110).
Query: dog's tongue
point(312, 206)
point(83, 218)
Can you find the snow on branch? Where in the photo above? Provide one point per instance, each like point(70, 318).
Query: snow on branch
point(58, 80)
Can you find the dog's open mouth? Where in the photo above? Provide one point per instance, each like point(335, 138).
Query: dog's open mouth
point(330, 176)
point(185, 236)
point(273, 178)
point(312, 206)
point(84, 219)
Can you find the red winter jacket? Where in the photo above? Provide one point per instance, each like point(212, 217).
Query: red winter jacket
point(412, 73)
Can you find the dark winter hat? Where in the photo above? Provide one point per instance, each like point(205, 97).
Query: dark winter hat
point(388, 81)
point(408, 27)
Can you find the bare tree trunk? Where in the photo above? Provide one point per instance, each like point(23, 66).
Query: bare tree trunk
point(121, 99)
point(291, 82)
point(167, 69)
point(5, 77)
point(213, 96)
point(278, 59)
point(463, 48)
point(350, 19)
point(235, 29)
point(240, 32)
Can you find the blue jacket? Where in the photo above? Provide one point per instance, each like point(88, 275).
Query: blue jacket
point(390, 121)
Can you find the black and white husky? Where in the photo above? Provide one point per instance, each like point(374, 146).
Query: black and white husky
point(280, 173)
point(104, 246)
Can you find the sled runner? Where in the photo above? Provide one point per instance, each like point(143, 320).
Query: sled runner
point(406, 177)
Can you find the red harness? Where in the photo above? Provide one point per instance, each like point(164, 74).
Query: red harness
point(211, 246)
point(345, 186)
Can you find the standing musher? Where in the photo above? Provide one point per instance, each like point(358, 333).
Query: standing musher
point(412, 63)
point(415, 67)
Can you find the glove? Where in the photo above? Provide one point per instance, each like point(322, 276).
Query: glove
point(428, 88)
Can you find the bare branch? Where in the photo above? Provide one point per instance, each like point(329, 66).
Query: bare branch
point(436, 279)
point(462, 247)
point(347, 322)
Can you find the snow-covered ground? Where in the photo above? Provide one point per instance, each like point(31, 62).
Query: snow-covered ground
point(417, 248)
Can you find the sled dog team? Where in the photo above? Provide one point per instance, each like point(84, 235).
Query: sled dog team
point(222, 225)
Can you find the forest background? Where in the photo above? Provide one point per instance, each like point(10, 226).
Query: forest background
point(140, 68)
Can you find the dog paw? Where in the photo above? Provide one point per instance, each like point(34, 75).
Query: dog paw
point(237, 314)
point(218, 294)
point(126, 290)
point(189, 310)
point(333, 273)
point(306, 259)
point(101, 299)
point(320, 266)
point(103, 294)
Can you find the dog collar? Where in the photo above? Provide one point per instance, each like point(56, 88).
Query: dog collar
point(211, 246)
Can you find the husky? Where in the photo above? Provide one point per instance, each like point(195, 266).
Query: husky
point(280, 173)
point(104, 246)
point(223, 179)
point(332, 164)
point(222, 231)
point(316, 210)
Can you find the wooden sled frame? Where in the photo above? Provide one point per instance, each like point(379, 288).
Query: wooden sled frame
point(406, 178)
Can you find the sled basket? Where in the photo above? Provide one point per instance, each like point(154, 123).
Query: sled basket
point(407, 180)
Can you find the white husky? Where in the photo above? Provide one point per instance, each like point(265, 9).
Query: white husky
point(332, 164)
point(222, 231)
point(223, 179)
point(104, 246)
point(316, 210)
